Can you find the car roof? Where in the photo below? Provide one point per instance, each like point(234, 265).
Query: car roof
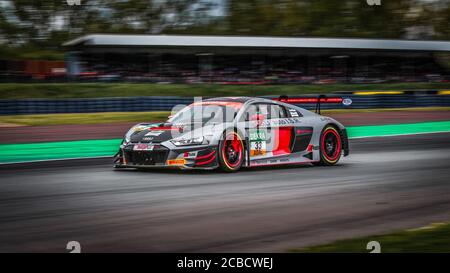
point(246, 100)
point(231, 99)
point(241, 99)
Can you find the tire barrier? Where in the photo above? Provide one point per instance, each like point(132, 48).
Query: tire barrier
point(359, 99)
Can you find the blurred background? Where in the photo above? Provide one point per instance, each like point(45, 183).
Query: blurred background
point(33, 34)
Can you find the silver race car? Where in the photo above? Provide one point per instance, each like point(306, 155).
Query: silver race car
point(234, 132)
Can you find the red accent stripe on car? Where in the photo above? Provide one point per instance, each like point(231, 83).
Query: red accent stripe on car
point(164, 128)
point(310, 100)
point(205, 162)
point(282, 141)
point(205, 156)
point(303, 131)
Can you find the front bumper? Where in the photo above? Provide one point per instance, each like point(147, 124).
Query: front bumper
point(136, 155)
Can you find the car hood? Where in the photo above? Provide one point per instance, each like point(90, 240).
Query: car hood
point(166, 131)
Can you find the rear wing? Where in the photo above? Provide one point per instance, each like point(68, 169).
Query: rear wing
point(317, 100)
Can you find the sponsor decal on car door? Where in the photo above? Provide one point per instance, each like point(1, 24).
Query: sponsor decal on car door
point(258, 141)
point(272, 135)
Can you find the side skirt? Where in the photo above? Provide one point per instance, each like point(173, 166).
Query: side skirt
point(295, 158)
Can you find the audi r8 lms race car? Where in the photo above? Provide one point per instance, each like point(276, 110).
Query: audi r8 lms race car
point(234, 132)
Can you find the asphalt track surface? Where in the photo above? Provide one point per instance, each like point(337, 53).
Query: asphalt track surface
point(386, 184)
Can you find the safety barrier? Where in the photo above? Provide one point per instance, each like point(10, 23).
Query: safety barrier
point(126, 104)
point(360, 100)
point(387, 99)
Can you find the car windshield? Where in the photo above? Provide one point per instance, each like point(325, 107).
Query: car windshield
point(207, 112)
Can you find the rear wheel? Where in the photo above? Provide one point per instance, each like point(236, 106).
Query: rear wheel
point(231, 152)
point(330, 146)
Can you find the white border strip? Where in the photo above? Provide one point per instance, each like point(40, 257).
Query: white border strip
point(58, 159)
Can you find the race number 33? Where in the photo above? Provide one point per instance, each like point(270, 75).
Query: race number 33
point(257, 148)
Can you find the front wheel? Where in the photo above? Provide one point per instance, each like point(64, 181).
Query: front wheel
point(231, 152)
point(330, 146)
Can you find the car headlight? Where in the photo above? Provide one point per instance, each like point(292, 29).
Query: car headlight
point(188, 141)
point(128, 136)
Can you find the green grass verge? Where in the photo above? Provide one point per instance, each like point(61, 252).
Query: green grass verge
point(10, 153)
point(83, 118)
point(96, 90)
point(433, 239)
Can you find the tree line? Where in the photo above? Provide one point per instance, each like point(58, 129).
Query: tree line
point(39, 27)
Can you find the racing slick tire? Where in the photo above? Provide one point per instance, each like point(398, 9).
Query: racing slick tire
point(330, 146)
point(231, 152)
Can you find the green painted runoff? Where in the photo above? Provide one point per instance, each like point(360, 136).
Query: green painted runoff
point(27, 152)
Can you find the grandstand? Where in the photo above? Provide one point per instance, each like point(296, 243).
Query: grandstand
point(254, 60)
